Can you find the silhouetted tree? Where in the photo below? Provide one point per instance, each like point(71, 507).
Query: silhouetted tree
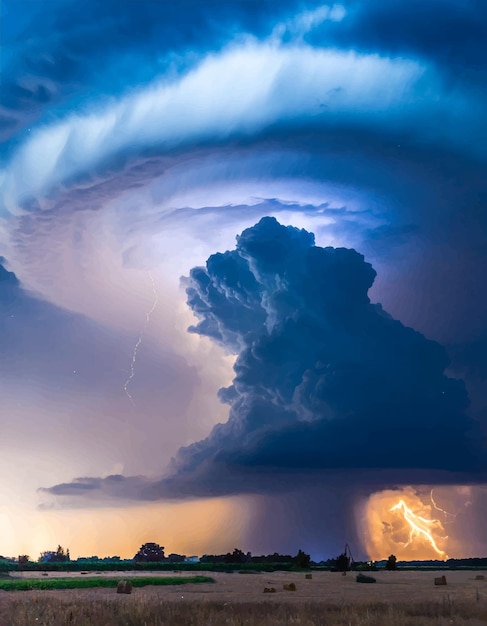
point(176, 558)
point(302, 560)
point(57, 556)
point(273, 558)
point(23, 560)
point(238, 556)
point(342, 562)
point(391, 563)
point(150, 553)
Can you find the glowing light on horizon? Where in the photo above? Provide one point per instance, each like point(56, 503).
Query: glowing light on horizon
point(210, 526)
point(419, 527)
point(411, 523)
point(148, 316)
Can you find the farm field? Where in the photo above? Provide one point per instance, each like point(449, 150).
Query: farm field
point(397, 599)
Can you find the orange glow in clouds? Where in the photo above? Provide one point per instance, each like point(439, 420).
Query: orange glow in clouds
point(407, 524)
point(419, 527)
point(214, 525)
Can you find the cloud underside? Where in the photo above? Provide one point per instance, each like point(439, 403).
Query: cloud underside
point(326, 382)
point(256, 87)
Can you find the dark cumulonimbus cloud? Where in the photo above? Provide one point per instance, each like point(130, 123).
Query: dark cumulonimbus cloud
point(323, 378)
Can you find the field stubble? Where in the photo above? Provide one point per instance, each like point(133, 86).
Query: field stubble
point(329, 599)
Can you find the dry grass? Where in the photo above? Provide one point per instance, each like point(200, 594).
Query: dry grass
point(398, 599)
point(149, 611)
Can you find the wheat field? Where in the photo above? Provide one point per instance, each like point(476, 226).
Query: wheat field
point(397, 599)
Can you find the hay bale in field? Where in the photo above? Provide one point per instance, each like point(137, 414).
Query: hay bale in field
point(269, 590)
point(480, 577)
point(124, 586)
point(290, 587)
point(308, 576)
point(362, 578)
point(441, 580)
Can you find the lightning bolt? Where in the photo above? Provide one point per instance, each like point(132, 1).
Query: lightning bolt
point(419, 526)
point(438, 508)
point(148, 316)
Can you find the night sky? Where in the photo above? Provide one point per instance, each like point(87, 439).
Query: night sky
point(242, 276)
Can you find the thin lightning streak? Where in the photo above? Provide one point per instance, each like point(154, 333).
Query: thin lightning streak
point(140, 337)
point(438, 508)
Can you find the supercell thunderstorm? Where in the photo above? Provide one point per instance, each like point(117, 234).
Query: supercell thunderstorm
point(139, 138)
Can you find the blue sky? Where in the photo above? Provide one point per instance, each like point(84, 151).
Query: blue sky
point(139, 139)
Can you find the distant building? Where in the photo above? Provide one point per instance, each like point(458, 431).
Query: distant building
point(192, 559)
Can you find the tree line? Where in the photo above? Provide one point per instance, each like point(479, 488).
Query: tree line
point(152, 552)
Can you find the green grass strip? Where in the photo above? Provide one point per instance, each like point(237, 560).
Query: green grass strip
point(88, 583)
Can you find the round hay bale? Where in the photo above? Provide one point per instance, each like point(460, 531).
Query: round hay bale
point(124, 586)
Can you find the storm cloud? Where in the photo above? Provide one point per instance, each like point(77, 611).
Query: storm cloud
point(323, 377)
point(141, 137)
point(325, 380)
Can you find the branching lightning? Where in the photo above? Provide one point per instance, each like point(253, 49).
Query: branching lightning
point(140, 338)
point(419, 526)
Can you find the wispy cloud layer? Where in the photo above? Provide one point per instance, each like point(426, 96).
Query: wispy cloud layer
point(254, 86)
